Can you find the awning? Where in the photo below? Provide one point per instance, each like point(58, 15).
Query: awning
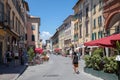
point(115, 37)
point(39, 50)
point(106, 41)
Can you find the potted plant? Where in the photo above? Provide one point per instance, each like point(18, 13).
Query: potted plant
point(110, 65)
point(88, 62)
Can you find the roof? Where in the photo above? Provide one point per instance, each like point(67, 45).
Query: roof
point(76, 4)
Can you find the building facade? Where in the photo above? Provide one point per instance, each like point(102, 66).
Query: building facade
point(32, 36)
point(68, 33)
point(55, 40)
point(111, 12)
point(61, 37)
point(12, 25)
point(48, 45)
point(97, 20)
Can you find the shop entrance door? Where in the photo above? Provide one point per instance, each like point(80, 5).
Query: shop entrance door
point(0, 52)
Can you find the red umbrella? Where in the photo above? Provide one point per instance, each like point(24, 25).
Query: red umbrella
point(39, 50)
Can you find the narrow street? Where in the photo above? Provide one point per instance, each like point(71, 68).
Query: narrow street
point(57, 68)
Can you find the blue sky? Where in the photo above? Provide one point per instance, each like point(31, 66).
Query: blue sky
point(52, 14)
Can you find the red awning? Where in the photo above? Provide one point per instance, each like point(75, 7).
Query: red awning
point(106, 41)
point(39, 50)
point(92, 43)
point(115, 37)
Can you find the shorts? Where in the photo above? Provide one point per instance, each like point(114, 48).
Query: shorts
point(75, 65)
point(16, 57)
point(9, 59)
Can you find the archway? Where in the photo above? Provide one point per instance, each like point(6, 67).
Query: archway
point(112, 22)
point(113, 17)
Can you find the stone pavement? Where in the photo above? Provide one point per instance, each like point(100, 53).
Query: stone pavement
point(11, 72)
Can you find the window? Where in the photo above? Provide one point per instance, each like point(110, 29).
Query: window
point(99, 21)
point(94, 23)
point(80, 27)
point(108, 32)
point(1, 12)
point(86, 28)
point(93, 36)
point(8, 14)
point(100, 4)
point(87, 12)
point(94, 9)
point(13, 19)
point(100, 34)
point(76, 26)
point(25, 36)
point(16, 25)
point(80, 6)
point(80, 15)
point(76, 37)
point(33, 37)
point(117, 29)
point(33, 27)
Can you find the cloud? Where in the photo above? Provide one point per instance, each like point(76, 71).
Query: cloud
point(45, 36)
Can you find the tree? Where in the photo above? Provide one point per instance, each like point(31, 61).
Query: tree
point(31, 54)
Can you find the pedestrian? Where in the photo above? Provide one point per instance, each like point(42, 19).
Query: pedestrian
point(75, 62)
point(70, 52)
point(8, 57)
point(16, 58)
point(79, 54)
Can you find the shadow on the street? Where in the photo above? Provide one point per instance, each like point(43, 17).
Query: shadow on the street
point(101, 74)
point(11, 69)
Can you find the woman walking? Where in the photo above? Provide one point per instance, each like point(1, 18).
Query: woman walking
point(75, 62)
